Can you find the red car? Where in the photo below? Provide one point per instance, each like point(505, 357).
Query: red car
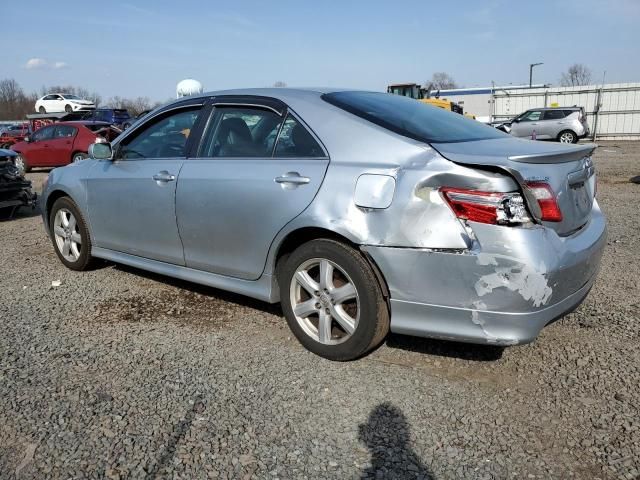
point(61, 143)
point(13, 134)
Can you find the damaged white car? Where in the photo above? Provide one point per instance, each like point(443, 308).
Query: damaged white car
point(360, 212)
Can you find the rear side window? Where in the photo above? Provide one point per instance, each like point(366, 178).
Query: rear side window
point(64, 131)
point(240, 132)
point(554, 114)
point(296, 141)
point(412, 118)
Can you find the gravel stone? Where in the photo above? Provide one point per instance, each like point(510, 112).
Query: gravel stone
point(118, 373)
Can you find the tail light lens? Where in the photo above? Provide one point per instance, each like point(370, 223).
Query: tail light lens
point(549, 210)
point(486, 207)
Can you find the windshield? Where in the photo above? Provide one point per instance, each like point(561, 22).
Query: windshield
point(412, 118)
point(72, 97)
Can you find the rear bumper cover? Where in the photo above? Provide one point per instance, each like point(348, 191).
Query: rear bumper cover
point(503, 291)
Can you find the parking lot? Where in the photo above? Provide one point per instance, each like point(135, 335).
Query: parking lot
point(119, 373)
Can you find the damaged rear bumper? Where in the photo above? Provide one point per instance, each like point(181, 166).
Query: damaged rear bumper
point(503, 291)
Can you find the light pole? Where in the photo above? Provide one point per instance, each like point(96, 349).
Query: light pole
point(531, 65)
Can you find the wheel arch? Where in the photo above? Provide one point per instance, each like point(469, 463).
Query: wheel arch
point(570, 130)
point(52, 197)
point(302, 235)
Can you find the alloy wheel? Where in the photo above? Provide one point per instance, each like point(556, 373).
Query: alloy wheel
point(325, 301)
point(20, 164)
point(67, 235)
point(566, 137)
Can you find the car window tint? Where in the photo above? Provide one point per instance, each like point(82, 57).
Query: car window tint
point(63, 131)
point(532, 116)
point(295, 141)
point(554, 114)
point(410, 118)
point(165, 137)
point(569, 112)
point(240, 132)
point(42, 134)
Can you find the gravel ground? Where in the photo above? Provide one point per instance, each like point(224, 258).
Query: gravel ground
point(118, 373)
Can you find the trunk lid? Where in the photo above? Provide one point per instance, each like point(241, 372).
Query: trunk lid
point(567, 169)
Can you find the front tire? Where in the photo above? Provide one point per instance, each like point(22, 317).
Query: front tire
point(567, 136)
point(70, 235)
point(78, 157)
point(68, 109)
point(332, 300)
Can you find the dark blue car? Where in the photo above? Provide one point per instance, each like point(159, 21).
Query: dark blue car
point(115, 116)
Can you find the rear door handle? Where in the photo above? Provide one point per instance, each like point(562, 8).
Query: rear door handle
point(292, 178)
point(164, 177)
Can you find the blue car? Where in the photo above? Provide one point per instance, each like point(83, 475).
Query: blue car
point(115, 116)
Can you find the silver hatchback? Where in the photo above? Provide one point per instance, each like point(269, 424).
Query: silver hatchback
point(566, 125)
point(360, 212)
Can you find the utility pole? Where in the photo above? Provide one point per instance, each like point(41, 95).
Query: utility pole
point(531, 65)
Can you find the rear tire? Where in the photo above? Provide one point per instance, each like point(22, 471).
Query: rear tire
point(347, 315)
point(70, 235)
point(567, 136)
point(78, 157)
point(42, 110)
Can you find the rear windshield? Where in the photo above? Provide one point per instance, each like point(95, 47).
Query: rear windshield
point(412, 118)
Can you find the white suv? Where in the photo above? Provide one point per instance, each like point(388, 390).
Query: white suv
point(564, 124)
point(63, 102)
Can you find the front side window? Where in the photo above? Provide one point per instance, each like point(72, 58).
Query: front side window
point(43, 134)
point(165, 137)
point(295, 141)
point(410, 118)
point(240, 132)
point(532, 116)
point(64, 131)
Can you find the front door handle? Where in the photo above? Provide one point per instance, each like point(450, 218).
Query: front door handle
point(292, 178)
point(164, 177)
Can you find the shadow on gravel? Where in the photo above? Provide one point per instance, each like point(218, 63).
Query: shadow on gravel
point(222, 295)
point(179, 431)
point(445, 348)
point(387, 435)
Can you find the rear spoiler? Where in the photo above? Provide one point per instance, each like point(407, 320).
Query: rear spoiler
point(578, 152)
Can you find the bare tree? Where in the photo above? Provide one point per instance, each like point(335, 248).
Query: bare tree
point(135, 106)
point(441, 81)
point(14, 103)
point(577, 74)
point(280, 84)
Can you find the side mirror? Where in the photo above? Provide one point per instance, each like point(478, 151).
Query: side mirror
point(100, 151)
point(27, 139)
point(516, 120)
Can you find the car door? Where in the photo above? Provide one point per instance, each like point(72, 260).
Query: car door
point(54, 104)
point(551, 124)
point(61, 145)
point(132, 197)
point(526, 124)
point(248, 180)
point(38, 152)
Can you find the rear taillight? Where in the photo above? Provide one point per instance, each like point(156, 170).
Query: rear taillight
point(549, 210)
point(486, 207)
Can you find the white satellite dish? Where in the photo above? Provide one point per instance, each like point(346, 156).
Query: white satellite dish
point(187, 87)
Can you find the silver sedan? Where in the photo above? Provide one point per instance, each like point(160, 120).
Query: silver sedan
point(360, 212)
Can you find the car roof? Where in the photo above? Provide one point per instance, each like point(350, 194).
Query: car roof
point(557, 108)
point(83, 123)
